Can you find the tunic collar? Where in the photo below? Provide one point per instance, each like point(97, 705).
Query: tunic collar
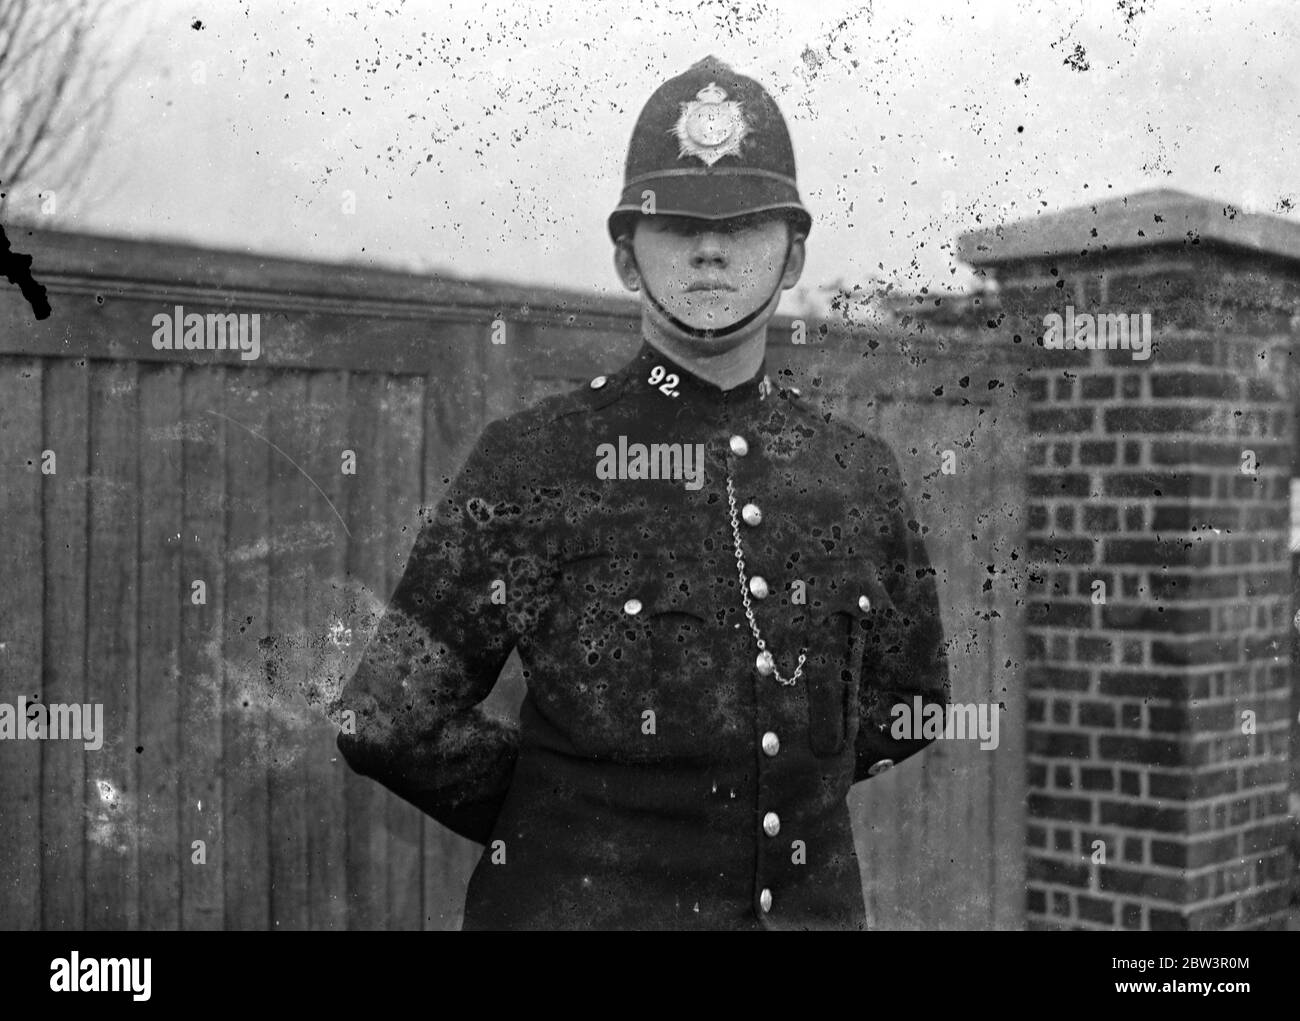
point(677, 381)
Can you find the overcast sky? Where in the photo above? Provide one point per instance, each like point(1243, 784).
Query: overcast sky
point(487, 139)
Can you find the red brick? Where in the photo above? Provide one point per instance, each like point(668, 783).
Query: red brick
point(1161, 552)
point(1059, 420)
point(1198, 785)
point(1144, 750)
point(1052, 870)
point(1178, 619)
point(1211, 918)
point(1168, 585)
point(1097, 779)
point(1193, 384)
point(1059, 613)
point(1100, 519)
point(1058, 744)
point(1094, 648)
point(1159, 484)
point(1101, 452)
point(1155, 420)
point(1058, 484)
point(1143, 816)
point(1093, 909)
point(1098, 387)
point(1180, 854)
point(1097, 714)
point(1057, 678)
point(1144, 685)
point(1166, 921)
point(1074, 551)
point(1198, 651)
point(1043, 806)
point(1160, 886)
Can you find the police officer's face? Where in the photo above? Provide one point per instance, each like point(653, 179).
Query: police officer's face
point(710, 273)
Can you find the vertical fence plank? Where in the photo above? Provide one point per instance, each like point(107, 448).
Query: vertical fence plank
point(909, 789)
point(920, 446)
point(401, 442)
point(329, 600)
point(63, 788)
point(289, 495)
point(202, 889)
point(454, 411)
point(917, 437)
point(246, 744)
point(969, 839)
point(21, 627)
point(870, 804)
point(367, 859)
point(163, 854)
point(958, 543)
point(965, 803)
point(1006, 822)
point(112, 861)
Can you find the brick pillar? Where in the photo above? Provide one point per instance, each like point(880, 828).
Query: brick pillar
point(1160, 601)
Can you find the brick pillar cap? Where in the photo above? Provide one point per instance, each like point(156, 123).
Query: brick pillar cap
point(1159, 218)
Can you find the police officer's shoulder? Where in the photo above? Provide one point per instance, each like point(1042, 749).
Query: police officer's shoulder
point(860, 451)
point(511, 450)
point(597, 393)
point(825, 412)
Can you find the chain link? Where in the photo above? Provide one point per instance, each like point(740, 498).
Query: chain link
point(744, 595)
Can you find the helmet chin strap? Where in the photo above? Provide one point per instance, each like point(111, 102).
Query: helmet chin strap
point(696, 332)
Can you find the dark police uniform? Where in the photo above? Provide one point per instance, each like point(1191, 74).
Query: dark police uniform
point(710, 662)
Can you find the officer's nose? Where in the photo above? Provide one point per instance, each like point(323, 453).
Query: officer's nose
point(709, 251)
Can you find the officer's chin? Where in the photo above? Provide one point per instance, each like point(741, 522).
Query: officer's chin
point(711, 327)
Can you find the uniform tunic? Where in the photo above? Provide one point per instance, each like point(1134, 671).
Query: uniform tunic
point(656, 778)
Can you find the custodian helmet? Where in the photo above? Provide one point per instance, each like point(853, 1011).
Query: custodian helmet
point(710, 144)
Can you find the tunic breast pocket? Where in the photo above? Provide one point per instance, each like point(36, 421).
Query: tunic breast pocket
point(627, 649)
point(841, 598)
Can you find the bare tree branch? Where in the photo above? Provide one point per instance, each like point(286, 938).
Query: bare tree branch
point(56, 89)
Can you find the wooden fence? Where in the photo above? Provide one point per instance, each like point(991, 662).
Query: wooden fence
point(171, 467)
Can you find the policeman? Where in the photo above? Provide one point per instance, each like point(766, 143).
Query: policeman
point(716, 592)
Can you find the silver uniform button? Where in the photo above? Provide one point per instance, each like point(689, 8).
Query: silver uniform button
point(751, 514)
point(632, 607)
point(598, 382)
point(771, 824)
point(771, 744)
point(738, 446)
point(765, 900)
point(877, 768)
point(864, 604)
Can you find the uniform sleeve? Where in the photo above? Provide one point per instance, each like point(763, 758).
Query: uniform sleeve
point(905, 652)
point(438, 650)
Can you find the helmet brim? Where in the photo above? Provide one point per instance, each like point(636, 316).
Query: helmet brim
point(708, 196)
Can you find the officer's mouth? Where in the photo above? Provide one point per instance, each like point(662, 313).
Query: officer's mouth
point(708, 286)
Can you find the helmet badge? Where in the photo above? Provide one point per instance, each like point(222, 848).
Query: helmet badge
point(710, 126)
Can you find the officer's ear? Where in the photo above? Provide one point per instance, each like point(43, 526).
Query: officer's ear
point(793, 262)
point(625, 263)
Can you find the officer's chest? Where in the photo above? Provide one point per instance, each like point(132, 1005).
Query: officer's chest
point(647, 623)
